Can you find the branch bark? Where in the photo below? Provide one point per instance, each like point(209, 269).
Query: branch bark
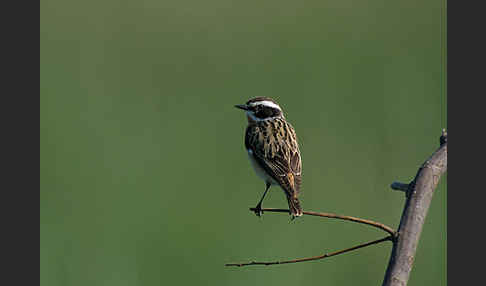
point(419, 195)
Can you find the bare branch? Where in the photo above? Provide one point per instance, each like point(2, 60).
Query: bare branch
point(315, 257)
point(336, 216)
point(389, 230)
point(413, 216)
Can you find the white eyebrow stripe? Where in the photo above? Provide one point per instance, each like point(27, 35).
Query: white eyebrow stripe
point(266, 103)
point(259, 119)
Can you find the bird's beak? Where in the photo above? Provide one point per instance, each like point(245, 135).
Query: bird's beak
point(242, 106)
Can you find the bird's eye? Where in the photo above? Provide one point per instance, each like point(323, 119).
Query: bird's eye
point(264, 113)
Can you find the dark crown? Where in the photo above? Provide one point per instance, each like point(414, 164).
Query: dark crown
point(260, 98)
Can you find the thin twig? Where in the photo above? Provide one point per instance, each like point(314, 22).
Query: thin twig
point(390, 237)
point(397, 186)
point(343, 217)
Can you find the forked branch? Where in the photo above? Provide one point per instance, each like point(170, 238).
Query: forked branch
point(389, 230)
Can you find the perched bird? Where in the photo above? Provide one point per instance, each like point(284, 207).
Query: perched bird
point(273, 150)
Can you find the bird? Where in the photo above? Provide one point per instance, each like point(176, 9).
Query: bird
point(273, 150)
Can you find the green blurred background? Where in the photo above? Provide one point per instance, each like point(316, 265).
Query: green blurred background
point(144, 176)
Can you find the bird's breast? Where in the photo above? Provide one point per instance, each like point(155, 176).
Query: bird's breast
point(259, 169)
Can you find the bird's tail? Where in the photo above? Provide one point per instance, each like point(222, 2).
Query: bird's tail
point(294, 206)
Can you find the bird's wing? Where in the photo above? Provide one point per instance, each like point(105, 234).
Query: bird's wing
point(275, 148)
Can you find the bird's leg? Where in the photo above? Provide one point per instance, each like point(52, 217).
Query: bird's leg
point(258, 208)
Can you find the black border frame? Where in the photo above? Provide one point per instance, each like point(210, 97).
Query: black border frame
point(465, 76)
point(20, 156)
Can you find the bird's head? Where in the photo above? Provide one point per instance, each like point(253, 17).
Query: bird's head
point(261, 108)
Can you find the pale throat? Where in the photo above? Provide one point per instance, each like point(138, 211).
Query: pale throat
point(250, 118)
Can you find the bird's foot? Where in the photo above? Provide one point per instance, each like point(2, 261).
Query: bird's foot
point(258, 210)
